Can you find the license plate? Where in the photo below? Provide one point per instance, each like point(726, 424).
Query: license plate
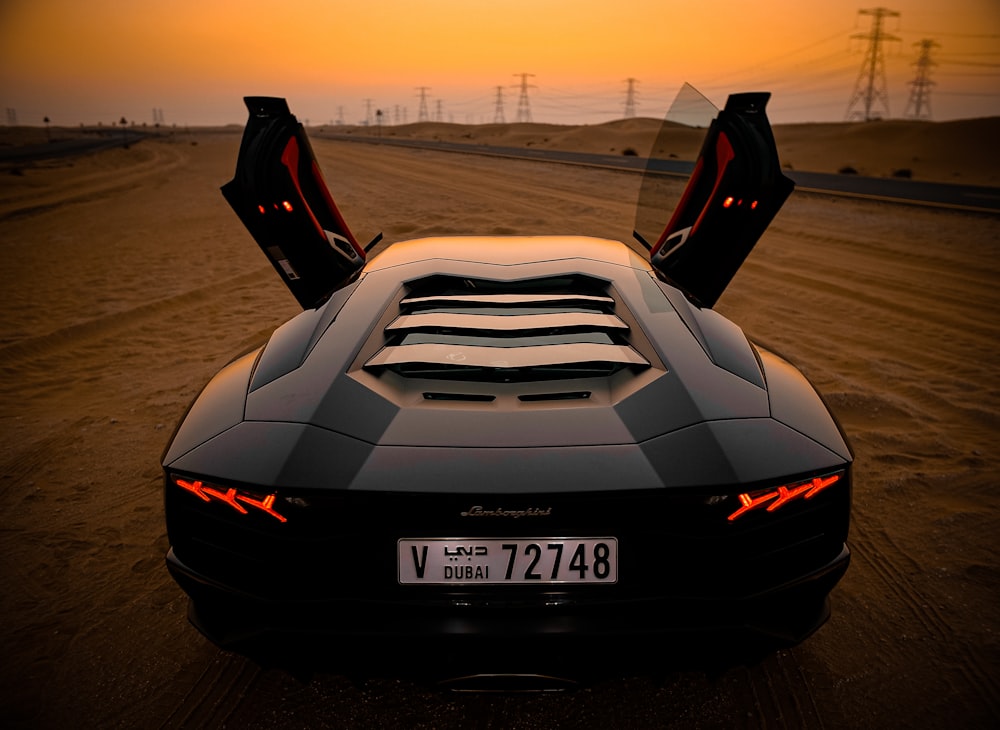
point(543, 560)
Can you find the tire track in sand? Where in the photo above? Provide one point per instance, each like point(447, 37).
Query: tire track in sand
point(169, 309)
point(215, 694)
point(969, 656)
point(780, 694)
point(158, 158)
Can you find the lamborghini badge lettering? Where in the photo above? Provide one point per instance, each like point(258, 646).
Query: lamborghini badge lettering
point(479, 511)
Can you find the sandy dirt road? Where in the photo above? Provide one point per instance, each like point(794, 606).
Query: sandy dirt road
point(128, 283)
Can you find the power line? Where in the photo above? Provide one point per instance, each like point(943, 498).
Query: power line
point(630, 98)
point(422, 115)
point(974, 63)
point(974, 53)
point(498, 117)
point(820, 70)
point(919, 104)
point(957, 35)
point(970, 93)
point(523, 105)
point(871, 86)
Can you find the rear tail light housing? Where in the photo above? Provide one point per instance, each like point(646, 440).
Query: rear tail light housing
point(775, 498)
point(240, 500)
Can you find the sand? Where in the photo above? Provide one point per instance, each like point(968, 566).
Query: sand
point(128, 283)
point(963, 151)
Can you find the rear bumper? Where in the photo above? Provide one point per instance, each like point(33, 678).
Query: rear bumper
point(688, 631)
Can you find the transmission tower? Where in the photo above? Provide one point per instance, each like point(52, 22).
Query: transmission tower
point(870, 86)
point(919, 105)
point(438, 110)
point(630, 98)
point(498, 117)
point(422, 115)
point(523, 106)
point(368, 112)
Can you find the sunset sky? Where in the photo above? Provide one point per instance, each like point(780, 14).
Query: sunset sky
point(100, 60)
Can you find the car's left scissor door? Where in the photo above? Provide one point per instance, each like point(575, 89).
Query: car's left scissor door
point(280, 195)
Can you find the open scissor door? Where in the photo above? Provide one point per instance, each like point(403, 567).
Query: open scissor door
point(733, 193)
point(279, 193)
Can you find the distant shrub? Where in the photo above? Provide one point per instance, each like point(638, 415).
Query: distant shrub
point(904, 172)
point(847, 170)
point(629, 152)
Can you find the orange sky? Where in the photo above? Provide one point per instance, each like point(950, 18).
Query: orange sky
point(99, 60)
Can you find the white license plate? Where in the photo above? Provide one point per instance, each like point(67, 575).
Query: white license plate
point(454, 561)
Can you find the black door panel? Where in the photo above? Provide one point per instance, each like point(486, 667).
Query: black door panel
point(279, 193)
point(733, 194)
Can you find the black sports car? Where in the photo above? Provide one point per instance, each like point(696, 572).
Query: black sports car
point(516, 440)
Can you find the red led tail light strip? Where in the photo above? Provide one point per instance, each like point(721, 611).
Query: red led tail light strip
point(232, 497)
point(264, 505)
point(776, 498)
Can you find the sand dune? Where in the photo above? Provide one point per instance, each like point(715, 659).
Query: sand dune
point(964, 151)
point(128, 283)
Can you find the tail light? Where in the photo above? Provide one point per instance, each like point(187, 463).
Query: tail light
point(242, 501)
point(774, 499)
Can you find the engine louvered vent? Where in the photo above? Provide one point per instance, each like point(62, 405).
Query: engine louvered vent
point(536, 329)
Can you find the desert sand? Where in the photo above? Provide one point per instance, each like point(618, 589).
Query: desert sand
point(962, 151)
point(128, 282)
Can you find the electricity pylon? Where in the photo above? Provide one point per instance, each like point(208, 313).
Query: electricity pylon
point(523, 106)
point(919, 104)
point(870, 86)
point(422, 115)
point(498, 117)
point(630, 98)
